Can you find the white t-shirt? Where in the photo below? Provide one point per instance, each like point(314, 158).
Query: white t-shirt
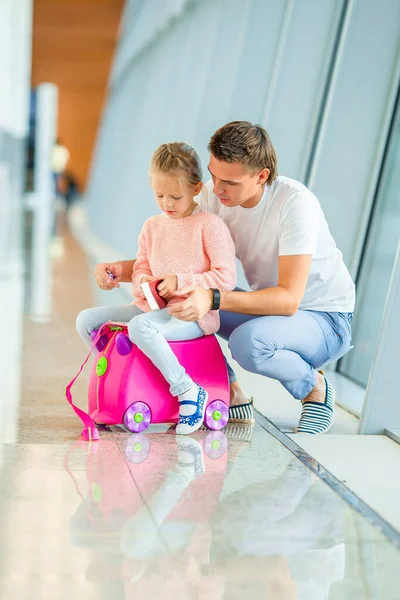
point(287, 221)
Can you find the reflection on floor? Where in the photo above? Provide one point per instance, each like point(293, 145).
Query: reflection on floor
point(228, 516)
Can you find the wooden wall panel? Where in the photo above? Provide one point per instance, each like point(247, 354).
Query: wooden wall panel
point(73, 47)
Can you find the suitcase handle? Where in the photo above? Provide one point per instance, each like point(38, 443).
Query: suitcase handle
point(90, 432)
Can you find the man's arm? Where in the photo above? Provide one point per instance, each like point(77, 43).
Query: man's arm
point(127, 269)
point(284, 299)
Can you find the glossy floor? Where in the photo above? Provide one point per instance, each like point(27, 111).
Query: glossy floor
point(216, 516)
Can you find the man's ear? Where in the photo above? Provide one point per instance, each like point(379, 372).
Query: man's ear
point(263, 176)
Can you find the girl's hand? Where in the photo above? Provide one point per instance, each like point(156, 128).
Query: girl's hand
point(168, 286)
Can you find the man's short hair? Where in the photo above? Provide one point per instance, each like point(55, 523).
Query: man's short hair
point(247, 144)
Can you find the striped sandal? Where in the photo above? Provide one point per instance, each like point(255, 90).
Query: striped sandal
point(315, 417)
point(242, 414)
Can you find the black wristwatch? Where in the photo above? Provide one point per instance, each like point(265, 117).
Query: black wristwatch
point(216, 300)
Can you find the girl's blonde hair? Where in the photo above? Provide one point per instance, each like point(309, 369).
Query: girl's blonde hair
point(178, 158)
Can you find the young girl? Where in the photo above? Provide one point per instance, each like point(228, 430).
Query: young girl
point(181, 246)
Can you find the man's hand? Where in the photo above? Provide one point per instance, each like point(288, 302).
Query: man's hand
point(168, 286)
point(103, 280)
point(197, 303)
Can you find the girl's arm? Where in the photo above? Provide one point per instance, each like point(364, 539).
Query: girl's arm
point(219, 247)
point(141, 266)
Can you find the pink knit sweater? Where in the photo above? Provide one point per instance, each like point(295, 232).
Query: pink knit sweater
point(198, 249)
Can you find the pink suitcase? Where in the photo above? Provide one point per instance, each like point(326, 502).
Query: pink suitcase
point(126, 389)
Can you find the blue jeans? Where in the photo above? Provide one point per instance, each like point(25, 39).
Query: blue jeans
point(288, 349)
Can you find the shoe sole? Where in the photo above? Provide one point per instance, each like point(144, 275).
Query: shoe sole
point(242, 421)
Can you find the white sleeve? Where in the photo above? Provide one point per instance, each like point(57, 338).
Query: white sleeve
point(299, 225)
point(204, 199)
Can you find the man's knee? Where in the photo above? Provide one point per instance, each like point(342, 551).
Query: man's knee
point(249, 350)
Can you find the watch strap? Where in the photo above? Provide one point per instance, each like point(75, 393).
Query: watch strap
point(216, 299)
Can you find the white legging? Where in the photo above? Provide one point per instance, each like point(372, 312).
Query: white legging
point(151, 332)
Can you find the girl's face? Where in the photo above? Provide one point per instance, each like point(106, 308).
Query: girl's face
point(174, 196)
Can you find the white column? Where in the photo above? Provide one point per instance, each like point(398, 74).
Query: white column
point(15, 67)
point(5, 205)
point(43, 201)
point(381, 406)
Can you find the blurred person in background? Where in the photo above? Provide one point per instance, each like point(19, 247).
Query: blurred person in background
point(70, 189)
point(59, 160)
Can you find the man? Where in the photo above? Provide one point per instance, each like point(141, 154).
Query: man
point(298, 315)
